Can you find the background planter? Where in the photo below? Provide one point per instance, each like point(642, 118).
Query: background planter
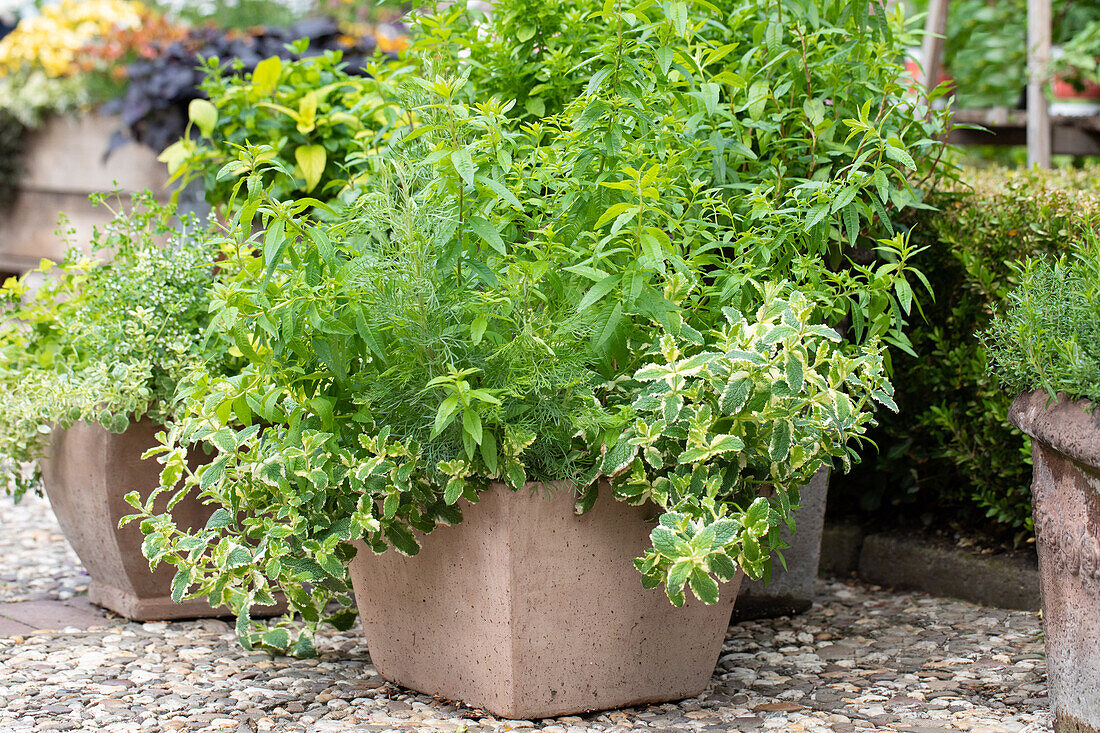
point(1068, 100)
point(525, 610)
point(64, 163)
point(792, 590)
point(87, 473)
point(1066, 494)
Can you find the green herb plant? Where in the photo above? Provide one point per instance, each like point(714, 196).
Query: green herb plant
point(639, 291)
point(311, 113)
point(1046, 336)
point(104, 337)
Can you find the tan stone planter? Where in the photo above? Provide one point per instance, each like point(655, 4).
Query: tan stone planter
point(530, 612)
point(64, 163)
point(87, 473)
point(1066, 495)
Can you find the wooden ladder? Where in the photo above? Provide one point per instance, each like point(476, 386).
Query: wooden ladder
point(1040, 129)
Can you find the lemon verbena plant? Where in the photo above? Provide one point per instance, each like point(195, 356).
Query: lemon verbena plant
point(102, 336)
point(665, 285)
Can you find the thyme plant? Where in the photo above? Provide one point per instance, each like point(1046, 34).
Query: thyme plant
point(630, 287)
point(104, 337)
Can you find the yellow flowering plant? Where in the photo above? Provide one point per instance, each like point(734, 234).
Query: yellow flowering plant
point(66, 57)
point(52, 40)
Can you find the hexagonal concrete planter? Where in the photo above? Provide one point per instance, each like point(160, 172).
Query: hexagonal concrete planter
point(86, 474)
point(528, 611)
point(1066, 494)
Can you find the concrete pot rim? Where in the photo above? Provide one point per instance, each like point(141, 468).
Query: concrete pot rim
point(1066, 425)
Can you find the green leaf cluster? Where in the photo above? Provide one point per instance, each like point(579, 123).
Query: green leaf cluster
point(985, 47)
point(722, 420)
point(1078, 62)
point(379, 390)
point(307, 116)
point(103, 336)
point(1048, 334)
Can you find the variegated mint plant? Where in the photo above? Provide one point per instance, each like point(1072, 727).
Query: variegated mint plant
point(750, 409)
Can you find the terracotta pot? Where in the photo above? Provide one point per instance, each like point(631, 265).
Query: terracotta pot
point(1069, 101)
point(791, 591)
point(528, 611)
point(1062, 89)
point(86, 474)
point(1066, 496)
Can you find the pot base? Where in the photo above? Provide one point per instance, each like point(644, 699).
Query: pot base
point(1064, 723)
point(791, 590)
point(163, 608)
point(129, 605)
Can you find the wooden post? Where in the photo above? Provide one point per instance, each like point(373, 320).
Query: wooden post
point(935, 27)
point(1038, 65)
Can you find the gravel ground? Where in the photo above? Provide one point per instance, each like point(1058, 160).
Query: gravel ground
point(38, 564)
point(861, 660)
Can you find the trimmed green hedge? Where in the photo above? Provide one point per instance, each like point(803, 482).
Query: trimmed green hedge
point(951, 450)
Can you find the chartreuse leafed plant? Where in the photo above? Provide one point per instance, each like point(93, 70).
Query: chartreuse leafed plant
point(104, 337)
point(312, 111)
point(631, 289)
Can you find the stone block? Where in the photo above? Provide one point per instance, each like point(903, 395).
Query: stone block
point(52, 615)
point(900, 561)
point(68, 155)
point(840, 547)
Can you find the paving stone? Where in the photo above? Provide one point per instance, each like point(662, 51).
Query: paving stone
point(51, 615)
point(10, 627)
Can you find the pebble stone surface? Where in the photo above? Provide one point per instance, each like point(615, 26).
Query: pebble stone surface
point(861, 659)
point(36, 563)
